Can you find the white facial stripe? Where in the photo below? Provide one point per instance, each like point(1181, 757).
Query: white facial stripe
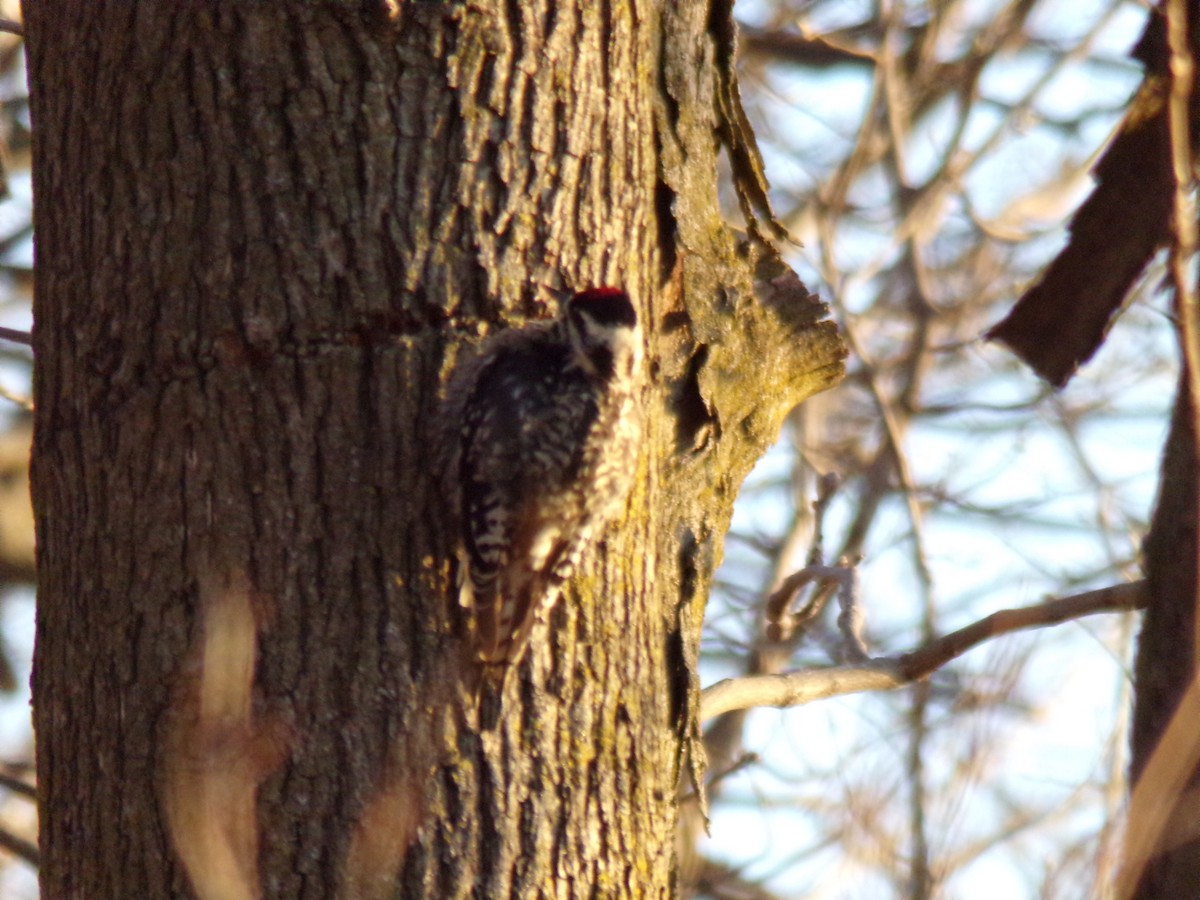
point(621, 338)
point(623, 341)
point(626, 342)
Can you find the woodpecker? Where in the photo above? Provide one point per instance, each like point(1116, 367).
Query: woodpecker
point(545, 425)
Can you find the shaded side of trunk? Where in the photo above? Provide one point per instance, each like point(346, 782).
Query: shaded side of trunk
point(1166, 664)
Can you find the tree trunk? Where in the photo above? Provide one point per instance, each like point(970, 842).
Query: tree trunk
point(263, 232)
point(1166, 853)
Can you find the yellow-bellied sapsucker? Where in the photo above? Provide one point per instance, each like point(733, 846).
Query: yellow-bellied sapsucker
point(544, 425)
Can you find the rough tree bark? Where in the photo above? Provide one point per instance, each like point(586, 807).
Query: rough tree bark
point(1168, 865)
point(1162, 841)
point(263, 232)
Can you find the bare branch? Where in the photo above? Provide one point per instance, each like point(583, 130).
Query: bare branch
point(20, 847)
point(17, 786)
point(724, 882)
point(20, 400)
point(15, 334)
point(804, 49)
point(891, 672)
point(1183, 212)
point(782, 624)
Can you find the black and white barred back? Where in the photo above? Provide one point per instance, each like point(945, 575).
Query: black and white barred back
point(546, 457)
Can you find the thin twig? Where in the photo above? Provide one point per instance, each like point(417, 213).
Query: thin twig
point(1183, 213)
point(17, 786)
point(890, 672)
point(782, 624)
point(852, 618)
point(19, 399)
point(827, 488)
point(742, 762)
point(20, 848)
point(15, 334)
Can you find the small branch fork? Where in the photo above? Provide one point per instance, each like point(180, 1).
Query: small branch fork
point(843, 578)
point(890, 672)
point(784, 623)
